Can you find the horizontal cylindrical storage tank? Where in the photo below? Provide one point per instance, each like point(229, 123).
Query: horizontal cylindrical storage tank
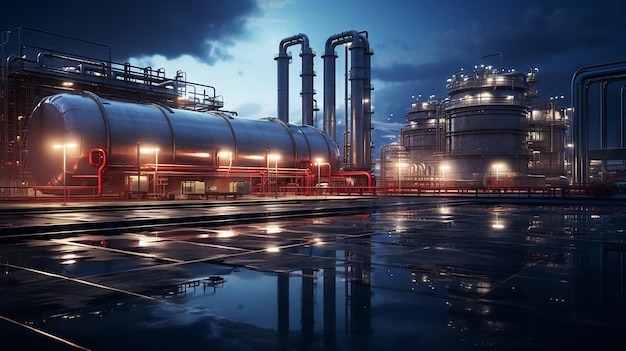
point(177, 141)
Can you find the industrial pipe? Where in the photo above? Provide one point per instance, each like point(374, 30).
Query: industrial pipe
point(367, 105)
point(330, 120)
point(98, 158)
point(581, 81)
point(360, 60)
point(307, 75)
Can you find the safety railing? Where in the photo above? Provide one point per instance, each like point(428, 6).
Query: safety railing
point(55, 193)
point(77, 193)
point(565, 192)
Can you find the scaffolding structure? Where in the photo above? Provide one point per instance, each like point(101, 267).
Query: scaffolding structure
point(547, 141)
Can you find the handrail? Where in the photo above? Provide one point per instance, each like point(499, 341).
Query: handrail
point(52, 193)
point(76, 67)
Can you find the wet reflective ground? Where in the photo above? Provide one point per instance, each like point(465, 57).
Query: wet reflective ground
point(420, 275)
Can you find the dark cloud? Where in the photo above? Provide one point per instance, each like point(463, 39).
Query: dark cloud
point(546, 34)
point(557, 36)
point(203, 29)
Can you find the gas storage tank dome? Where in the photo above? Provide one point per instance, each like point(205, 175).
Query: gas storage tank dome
point(186, 141)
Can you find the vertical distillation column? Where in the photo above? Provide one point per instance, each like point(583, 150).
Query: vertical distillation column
point(330, 121)
point(360, 59)
point(357, 84)
point(367, 106)
point(283, 58)
point(4, 134)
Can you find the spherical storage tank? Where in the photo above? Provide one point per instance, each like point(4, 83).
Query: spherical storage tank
point(188, 142)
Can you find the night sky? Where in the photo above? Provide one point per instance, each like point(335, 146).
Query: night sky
point(417, 45)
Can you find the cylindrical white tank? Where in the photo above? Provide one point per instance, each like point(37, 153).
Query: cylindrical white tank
point(188, 142)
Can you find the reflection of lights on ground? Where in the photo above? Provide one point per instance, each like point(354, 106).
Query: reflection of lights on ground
point(147, 241)
point(71, 316)
point(321, 220)
point(225, 233)
point(317, 241)
point(401, 228)
point(226, 210)
point(272, 229)
point(68, 259)
point(272, 249)
point(497, 225)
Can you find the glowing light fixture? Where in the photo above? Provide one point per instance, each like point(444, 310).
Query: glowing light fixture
point(443, 169)
point(497, 167)
point(64, 147)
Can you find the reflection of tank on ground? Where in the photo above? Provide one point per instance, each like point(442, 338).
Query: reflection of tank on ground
point(483, 289)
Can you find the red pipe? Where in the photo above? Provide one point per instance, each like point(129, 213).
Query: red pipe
point(101, 163)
